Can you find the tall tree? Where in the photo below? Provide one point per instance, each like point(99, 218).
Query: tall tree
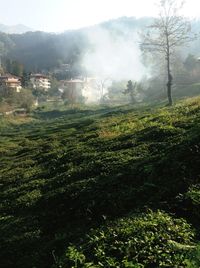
point(168, 32)
point(131, 90)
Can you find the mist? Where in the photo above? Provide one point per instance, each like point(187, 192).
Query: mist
point(116, 57)
point(112, 56)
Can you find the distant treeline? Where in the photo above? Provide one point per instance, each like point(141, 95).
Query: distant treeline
point(39, 51)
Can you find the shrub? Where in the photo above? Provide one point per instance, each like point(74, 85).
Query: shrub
point(152, 239)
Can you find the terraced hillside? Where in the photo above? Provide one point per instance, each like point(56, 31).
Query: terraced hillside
point(112, 187)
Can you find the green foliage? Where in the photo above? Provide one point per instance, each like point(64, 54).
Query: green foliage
point(146, 240)
point(115, 92)
point(131, 90)
point(65, 172)
point(14, 67)
point(10, 99)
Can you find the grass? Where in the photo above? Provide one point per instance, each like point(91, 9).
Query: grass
point(65, 172)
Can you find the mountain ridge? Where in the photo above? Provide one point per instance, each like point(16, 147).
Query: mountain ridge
point(14, 29)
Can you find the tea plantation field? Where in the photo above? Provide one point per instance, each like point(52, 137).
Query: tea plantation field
point(106, 187)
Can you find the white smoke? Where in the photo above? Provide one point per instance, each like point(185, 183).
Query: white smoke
point(114, 55)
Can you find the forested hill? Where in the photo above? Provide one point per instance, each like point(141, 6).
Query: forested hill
point(106, 187)
point(40, 50)
point(14, 29)
point(43, 51)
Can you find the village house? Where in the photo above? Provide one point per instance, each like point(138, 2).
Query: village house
point(72, 89)
point(40, 81)
point(75, 89)
point(11, 82)
point(73, 84)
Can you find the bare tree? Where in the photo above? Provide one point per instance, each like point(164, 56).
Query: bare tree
point(168, 32)
point(101, 85)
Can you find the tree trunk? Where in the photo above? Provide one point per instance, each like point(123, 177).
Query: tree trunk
point(170, 78)
point(169, 89)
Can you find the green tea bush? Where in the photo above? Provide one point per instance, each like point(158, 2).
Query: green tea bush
point(152, 239)
point(66, 171)
point(190, 201)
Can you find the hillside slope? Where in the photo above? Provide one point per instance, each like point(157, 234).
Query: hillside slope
point(122, 172)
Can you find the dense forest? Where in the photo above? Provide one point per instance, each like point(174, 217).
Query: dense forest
point(40, 50)
point(44, 51)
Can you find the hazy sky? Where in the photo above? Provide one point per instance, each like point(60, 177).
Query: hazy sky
point(60, 15)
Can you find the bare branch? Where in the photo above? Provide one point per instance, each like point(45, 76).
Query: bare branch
point(166, 33)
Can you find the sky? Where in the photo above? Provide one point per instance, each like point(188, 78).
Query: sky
point(61, 15)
